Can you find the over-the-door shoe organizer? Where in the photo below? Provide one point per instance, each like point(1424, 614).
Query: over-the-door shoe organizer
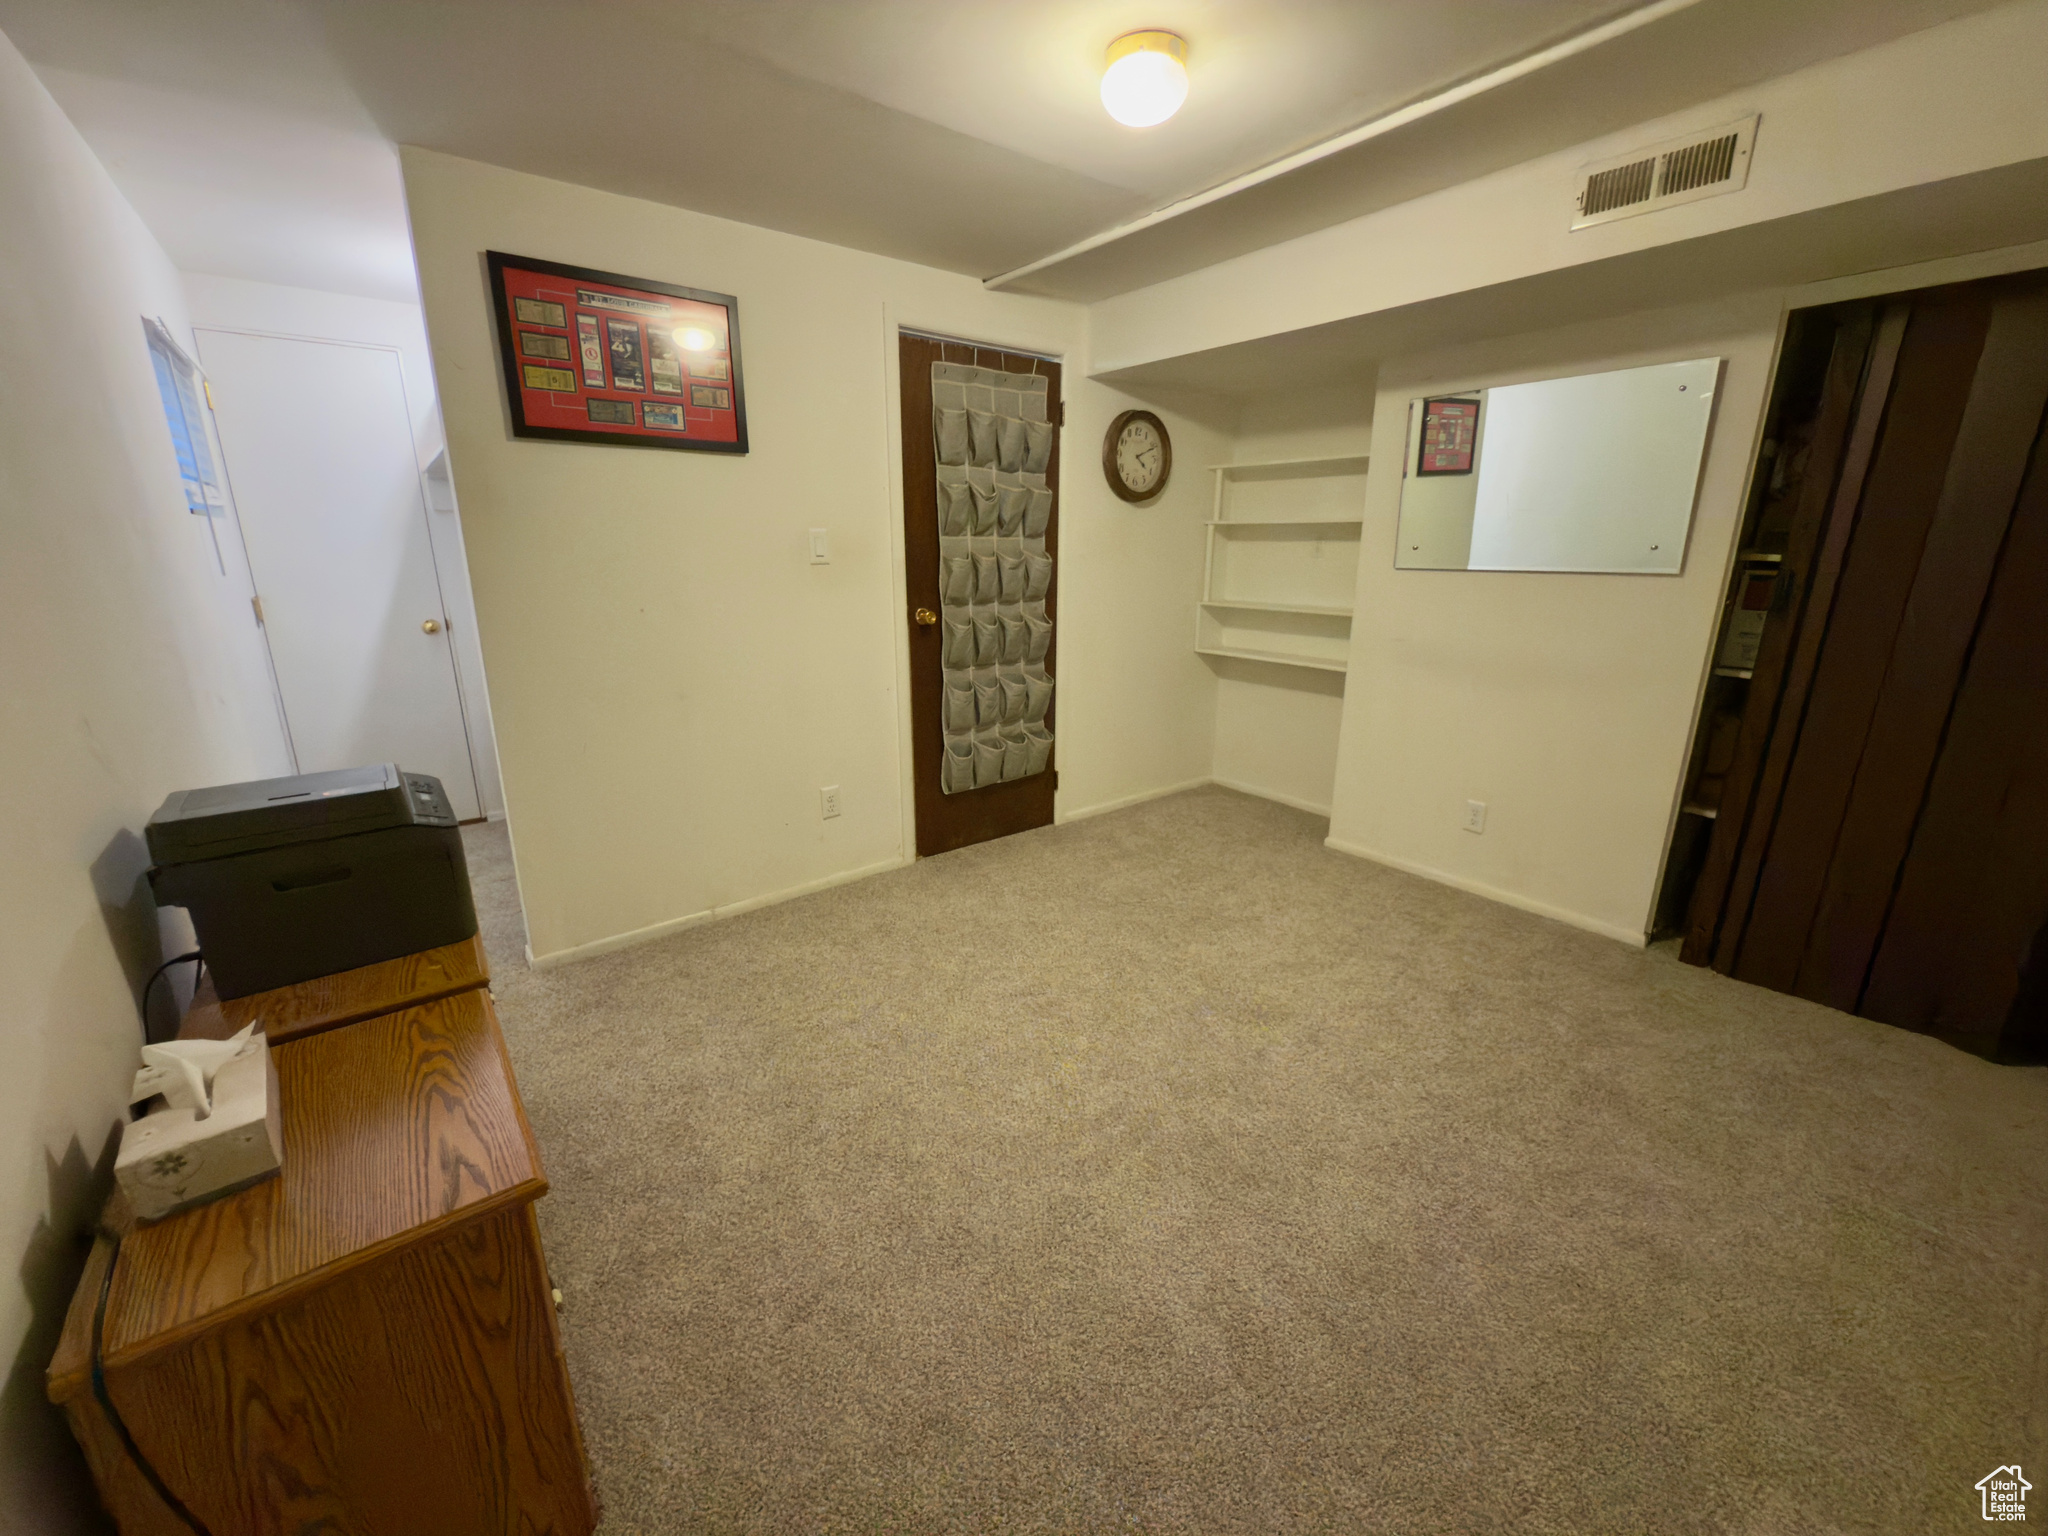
point(993, 437)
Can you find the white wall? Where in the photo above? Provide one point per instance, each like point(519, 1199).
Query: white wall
point(672, 680)
point(272, 309)
point(1276, 726)
point(1565, 702)
point(133, 667)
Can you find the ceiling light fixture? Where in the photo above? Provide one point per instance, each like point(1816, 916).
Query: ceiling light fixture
point(1147, 78)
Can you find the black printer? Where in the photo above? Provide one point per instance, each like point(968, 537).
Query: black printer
point(288, 879)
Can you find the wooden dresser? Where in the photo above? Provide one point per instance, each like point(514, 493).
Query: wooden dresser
point(367, 1343)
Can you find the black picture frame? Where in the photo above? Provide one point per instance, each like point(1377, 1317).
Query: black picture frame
point(497, 261)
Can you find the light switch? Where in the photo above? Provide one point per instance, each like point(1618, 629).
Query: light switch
point(821, 547)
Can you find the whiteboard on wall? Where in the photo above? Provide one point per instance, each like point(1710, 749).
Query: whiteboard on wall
point(1595, 473)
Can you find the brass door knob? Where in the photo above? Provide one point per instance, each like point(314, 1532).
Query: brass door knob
point(432, 626)
point(926, 617)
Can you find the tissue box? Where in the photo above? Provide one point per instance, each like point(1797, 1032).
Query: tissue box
point(218, 1131)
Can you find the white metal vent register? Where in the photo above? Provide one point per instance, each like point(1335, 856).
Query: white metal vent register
point(1664, 175)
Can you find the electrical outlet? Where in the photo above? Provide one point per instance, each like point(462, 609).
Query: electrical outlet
point(1475, 815)
point(821, 547)
point(828, 801)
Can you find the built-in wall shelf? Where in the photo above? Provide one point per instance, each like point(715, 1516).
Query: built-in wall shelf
point(1287, 522)
point(1279, 581)
point(1284, 658)
point(1328, 609)
point(1317, 465)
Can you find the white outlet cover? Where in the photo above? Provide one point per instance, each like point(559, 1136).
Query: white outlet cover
point(1475, 815)
point(828, 801)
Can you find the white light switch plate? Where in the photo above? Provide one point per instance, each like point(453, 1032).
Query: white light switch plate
point(821, 547)
point(1475, 815)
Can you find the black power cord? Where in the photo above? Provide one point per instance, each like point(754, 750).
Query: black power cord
point(175, 1504)
point(148, 986)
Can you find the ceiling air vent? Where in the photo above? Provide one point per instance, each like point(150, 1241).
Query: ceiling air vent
point(1664, 175)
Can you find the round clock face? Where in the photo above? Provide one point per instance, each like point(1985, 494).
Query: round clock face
point(1140, 456)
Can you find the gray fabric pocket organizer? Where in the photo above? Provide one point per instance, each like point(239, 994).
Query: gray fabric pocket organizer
point(1039, 453)
point(956, 580)
point(988, 702)
point(982, 432)
point(957, 773)
point(1038, 742)
point(1016, 755)
point(1015, 502)
point(1037, 698)
point(959, 645)
point(960, 703)
point(988, 760)
point(1037, 577)
point(956, 509)
point(1010, 443)
point(1039, 517)
point(993, 440)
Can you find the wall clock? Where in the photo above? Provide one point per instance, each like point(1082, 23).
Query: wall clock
point(1137, 456)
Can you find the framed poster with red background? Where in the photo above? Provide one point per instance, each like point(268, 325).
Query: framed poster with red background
point(598, 357)
point(1450, 436)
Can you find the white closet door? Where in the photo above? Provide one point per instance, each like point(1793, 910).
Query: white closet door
point(321, 464)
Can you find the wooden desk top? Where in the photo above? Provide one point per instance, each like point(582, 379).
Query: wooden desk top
point(289, 1013)
point(395, 1130)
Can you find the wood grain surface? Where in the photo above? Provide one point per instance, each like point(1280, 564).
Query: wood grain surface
point(393, 1128)
point(326, 1002)
point(422, 1392)
point(946, 822)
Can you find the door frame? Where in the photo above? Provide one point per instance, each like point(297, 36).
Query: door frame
point(464, 707)
point(1054, 347)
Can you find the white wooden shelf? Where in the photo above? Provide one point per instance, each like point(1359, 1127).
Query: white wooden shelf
point(1327, 610)
point(1329, 462)
point(1285, 522)
point(1282, 561)
point(1246, 653)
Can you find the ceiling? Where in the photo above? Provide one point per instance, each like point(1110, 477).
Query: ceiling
point(255, 136)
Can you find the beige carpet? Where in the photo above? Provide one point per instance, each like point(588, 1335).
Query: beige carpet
point(1169, 1172)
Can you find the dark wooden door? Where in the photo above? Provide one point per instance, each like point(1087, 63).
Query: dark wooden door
point(1888, 852)
point(946, 822)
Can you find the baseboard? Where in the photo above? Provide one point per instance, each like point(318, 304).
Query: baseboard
point(1275, 796)
point(1063, 817)
point(662, 930)
point(1634, 938)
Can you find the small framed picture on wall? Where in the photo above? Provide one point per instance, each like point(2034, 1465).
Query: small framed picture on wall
point(1450, 435)
point(600, 357)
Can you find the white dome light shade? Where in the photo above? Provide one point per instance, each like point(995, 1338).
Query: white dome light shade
point(1147, 78)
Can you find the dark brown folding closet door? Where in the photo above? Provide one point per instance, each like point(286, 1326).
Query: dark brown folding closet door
point(1886, 851)
point(1007, 654)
